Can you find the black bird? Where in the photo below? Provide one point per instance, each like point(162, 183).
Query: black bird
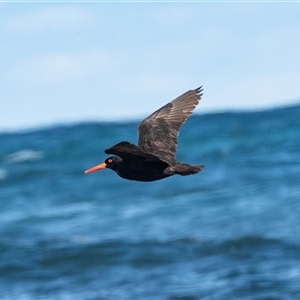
point(154, 157)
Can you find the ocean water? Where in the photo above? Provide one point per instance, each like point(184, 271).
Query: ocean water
point(230, 232)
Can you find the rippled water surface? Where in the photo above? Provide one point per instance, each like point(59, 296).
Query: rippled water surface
point(229, 232)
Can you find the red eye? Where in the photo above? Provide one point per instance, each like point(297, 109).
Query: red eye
point(110, 161)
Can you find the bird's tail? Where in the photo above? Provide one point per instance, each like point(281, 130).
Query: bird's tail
point(186, 169)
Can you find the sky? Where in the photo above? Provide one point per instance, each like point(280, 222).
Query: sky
point(66, 62)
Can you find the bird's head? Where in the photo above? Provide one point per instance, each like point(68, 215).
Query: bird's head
point(110, 163)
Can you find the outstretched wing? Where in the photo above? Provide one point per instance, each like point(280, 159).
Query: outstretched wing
point(129, 151)
point(158, 133)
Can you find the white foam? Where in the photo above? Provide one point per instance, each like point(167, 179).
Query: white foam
point(23, 155)
point(3, 174)
point(80, 239)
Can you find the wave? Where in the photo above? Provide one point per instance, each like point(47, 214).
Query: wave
point(185, 268)
point(3, 174)
point(23, 155)
point(81, 246)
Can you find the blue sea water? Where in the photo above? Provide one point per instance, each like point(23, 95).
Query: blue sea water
point(230, 232)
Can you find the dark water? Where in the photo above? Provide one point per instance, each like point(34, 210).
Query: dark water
point(229, 232)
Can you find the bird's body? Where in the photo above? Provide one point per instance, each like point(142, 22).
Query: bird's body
point(140, 169)
point(154, 157)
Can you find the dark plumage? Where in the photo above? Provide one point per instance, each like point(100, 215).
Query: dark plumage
point(154, 157)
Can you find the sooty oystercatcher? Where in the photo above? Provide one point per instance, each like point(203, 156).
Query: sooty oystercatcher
point(154, 157)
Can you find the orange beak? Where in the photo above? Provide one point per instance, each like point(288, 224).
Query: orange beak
point(96, 168)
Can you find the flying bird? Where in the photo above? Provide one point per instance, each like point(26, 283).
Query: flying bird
point(154, 157)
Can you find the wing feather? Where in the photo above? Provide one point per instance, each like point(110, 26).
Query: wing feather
point(129, 151)
point(158, 132)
